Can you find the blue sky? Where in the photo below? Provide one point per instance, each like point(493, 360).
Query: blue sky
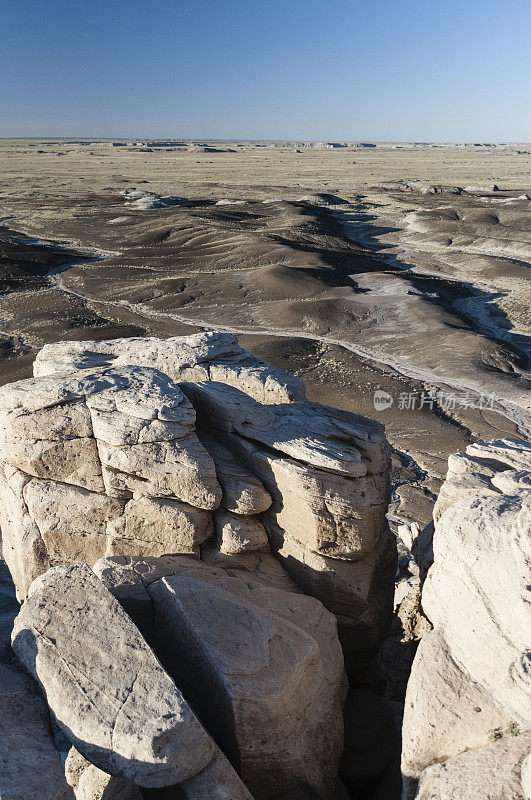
point(334, 69)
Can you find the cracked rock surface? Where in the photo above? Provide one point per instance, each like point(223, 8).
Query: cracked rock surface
point(470, 682)
point(240, 556)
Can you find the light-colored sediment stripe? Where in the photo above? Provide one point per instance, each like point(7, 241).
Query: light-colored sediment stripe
point(511, 411)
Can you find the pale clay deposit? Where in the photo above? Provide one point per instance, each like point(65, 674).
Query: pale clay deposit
point(227, 573)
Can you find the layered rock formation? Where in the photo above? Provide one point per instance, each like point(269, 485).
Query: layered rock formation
point(210, 499)
point(121, 460)
point(470, 686)
point(201, 357)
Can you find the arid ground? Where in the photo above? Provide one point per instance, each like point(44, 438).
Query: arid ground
point(402, 270)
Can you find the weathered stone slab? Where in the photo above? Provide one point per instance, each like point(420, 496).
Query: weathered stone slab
point(494, 772)
point(180, 469)
point(514, 453)
point(30, 765)
point(50, 442)
point(290, 429)
point(155, 527)
point(72, 521)
point(106, 689)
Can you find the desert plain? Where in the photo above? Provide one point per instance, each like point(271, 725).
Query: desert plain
point(393, 279)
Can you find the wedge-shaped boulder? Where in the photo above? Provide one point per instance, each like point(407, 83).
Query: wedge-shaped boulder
point(103, 684)
point(128, 578)
point(243, 492)
point(30, 765)
point(446, 711)
point(202, 356)
point(257, 681)
point(471, 674)
point(255, 615)
point(257, 577)
point(481, 571)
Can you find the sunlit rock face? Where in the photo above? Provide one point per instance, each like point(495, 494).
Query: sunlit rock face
point(200, 552)
point(150, 447)
point(470, 683)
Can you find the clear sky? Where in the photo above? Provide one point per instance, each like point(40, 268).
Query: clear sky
point(451, 70)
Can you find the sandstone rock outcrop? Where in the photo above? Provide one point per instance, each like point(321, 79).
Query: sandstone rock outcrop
point(74, 451)
point(109, 459)
point(471, 675)
point(212, 509)
point(30, 765)
point(328, 474)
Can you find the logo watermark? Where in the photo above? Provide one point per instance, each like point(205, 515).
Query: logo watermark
point(382, 400)
point(446, 401)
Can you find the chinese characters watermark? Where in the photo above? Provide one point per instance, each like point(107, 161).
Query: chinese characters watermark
point(446, 401)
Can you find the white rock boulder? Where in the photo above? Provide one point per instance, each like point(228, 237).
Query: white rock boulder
point(103, 684)
point(471, 677)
